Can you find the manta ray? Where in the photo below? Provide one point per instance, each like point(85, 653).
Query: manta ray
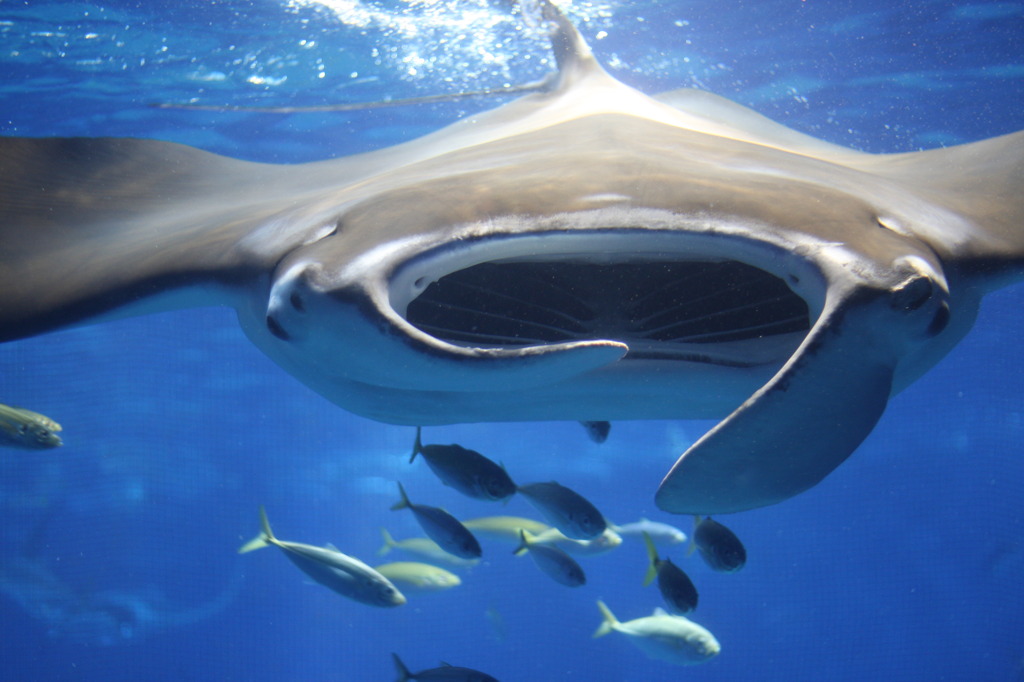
point(584, 252)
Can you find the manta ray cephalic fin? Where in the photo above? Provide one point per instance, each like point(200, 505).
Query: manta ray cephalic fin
point(812, 414)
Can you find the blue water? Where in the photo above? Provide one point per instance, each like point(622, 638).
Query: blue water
point(906, 564)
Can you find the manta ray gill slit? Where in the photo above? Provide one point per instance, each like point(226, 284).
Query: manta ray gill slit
point(671, 308)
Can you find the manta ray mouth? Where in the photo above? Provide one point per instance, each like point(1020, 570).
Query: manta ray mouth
point(711, 311)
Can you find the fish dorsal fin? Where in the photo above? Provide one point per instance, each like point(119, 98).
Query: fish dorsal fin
point(525, 541)
point(658, 611)
point(403, 672)
point(403, 503)
point(417, 447)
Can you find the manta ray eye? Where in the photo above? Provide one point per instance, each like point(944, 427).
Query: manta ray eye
point(912, 294)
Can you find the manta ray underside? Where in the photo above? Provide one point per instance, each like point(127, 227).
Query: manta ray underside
point(586, 252)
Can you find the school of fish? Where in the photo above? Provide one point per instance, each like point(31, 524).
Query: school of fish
point(576, 527)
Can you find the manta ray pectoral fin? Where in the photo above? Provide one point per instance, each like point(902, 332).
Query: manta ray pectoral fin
point(89, 226)
point(809, 417)
point(716, 115)
point(979, 182)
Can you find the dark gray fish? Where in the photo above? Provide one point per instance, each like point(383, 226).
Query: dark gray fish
point(598, 431)
point(676, 587)
point(565, 509)
point(559, 566)
point(442, 528)
point(446, 673)
point(336, 571)
point(718, 545)
point(424, 547)
point(466, 470)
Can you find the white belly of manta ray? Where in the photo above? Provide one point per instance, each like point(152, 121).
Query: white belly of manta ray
point(585, 252)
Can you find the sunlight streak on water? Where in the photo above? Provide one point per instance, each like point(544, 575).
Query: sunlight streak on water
point(453, 41)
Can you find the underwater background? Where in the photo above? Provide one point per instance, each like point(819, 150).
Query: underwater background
point(119, 560)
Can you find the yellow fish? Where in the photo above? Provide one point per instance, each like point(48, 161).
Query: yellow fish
point(20, 428)
point(415, 576)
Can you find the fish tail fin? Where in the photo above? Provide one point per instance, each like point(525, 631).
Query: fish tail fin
point(652, 554)
point(265, 525)
point(403, 672)
point(258, 542)
point(610, 621)
point(402, 503)
point(389, 542)
point(417, 447)
point(266, 536)
point(524, 543)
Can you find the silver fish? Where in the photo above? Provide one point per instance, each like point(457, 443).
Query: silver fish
point(663, 637)
point(339, 572)
point(659, 532)
point(605, 542)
